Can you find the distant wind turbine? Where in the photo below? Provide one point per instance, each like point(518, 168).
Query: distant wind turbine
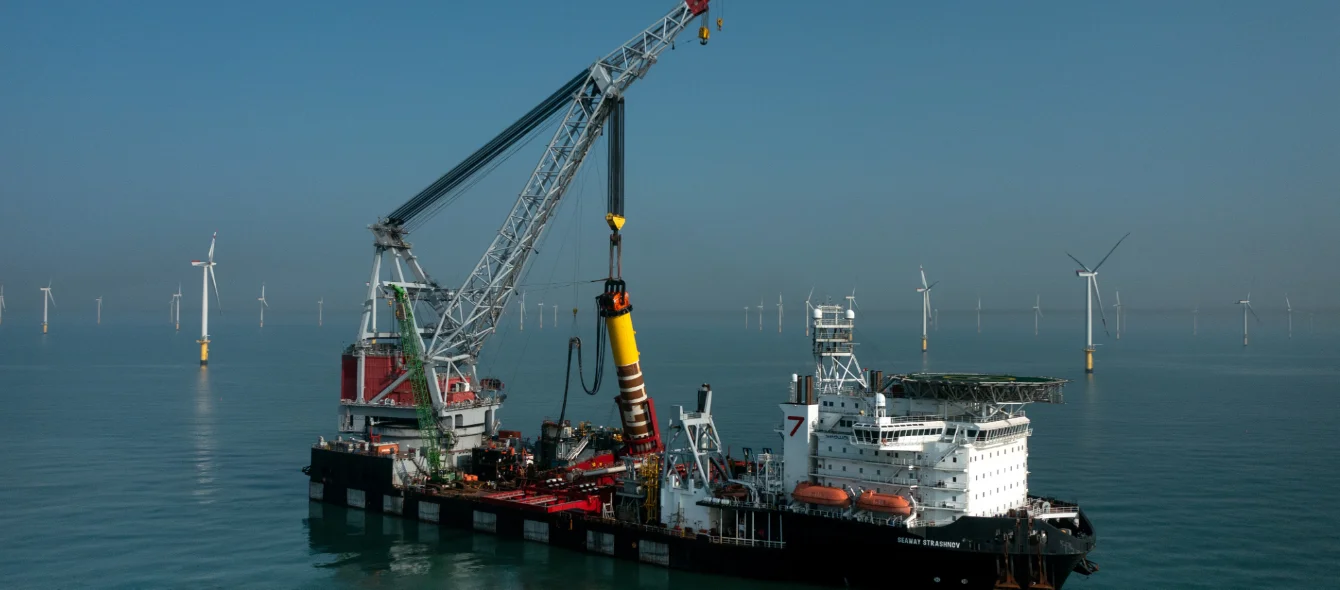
point(1289, 307)
point(541, 304)
point(979, 314)
point(174, 314)
point(760, 315)
point(555, 315)
point(1037, 313)
point(808, 312)
point(1195, 317)
point(1118, 306)
point(523, 311)
point(46, 296)
point(1246, 307)
point(2, 304)
point(779, 313)
point(320, 312)
point(99, 300)
point(263, 304)
point(1090, 276)
point(926, 316)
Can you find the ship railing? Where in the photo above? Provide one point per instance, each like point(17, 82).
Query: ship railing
point(747, 542)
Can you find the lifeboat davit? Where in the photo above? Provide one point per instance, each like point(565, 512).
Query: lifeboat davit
point(884, 503)
point(821, 495)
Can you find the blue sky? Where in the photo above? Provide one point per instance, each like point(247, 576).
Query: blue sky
point(833, 147)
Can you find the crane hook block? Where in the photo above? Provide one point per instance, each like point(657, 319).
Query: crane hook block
point(703, 34)
point(615, 221)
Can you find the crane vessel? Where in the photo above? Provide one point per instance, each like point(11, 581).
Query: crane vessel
point(920, 480)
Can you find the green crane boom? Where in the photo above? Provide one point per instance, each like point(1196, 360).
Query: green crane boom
point(423, 400)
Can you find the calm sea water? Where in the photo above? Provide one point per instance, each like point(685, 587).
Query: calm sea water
point(1202, 464)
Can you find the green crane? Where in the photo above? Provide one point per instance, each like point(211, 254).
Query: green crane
point(423, 400)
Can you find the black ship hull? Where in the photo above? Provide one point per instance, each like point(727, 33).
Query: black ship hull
point(974, 552)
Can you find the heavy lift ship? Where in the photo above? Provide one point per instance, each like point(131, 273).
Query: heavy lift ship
point(420, 436)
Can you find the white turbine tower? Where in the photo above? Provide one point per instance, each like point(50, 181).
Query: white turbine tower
point(263, 304)
point(2, 304)
point(522, 307)
point(746, 317)
point(1037, 313)
point(207, 277)
point(555, 315)
point(1090, 276)
point(926, 313)
point(779, 313)
point(760, 315)
point(1117, 305)
point(541, 304)
point(99, 300)
point(46, 296)
point(1246, 307)
point(1289, 306)
point(320, 311)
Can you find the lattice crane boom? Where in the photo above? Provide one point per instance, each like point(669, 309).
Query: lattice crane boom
point(471, 314)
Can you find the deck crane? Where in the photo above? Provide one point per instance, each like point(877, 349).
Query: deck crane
point(453, 324)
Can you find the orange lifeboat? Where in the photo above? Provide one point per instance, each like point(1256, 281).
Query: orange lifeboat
point(884, 503)
point(821, 495)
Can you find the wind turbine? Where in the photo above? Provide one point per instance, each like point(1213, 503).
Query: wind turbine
point(779, 313)
point(1037, 313)
point(1289, 307)
point(1118, 306)
point(320, 311)
point(746, 317)
point(46, 296)
point(174, 308)
point(523, 311)
point(207, 277)
point(541, 304)
point(99, 300)
point(2, 304)
point(1090, 276)
point(1246, 307)
point(263, 304)
point(979, 314)
point(555, 315)
point(926, 316)
point(808, 312)
point(760, 315)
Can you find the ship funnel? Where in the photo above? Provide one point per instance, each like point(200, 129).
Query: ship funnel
point(705, 399)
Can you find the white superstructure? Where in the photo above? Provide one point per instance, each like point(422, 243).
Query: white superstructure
point(951, 445)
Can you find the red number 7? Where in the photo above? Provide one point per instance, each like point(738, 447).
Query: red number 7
point(799, 420)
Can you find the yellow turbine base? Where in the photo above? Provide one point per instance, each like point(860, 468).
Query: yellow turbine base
point(923, 344)
point(44, 329)
point(1088, 360)
point(204, 352)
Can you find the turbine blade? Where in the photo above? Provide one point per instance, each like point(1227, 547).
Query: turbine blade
point(215, 281)
point(932, 285)
point(1081, 264)
point(923, 276)
point(1101, 314)
point(211, 246)
point(1249, 308)
point(1109, 252)
point(807, 297)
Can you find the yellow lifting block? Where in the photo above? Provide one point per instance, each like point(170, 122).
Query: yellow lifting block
point(615, 221)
